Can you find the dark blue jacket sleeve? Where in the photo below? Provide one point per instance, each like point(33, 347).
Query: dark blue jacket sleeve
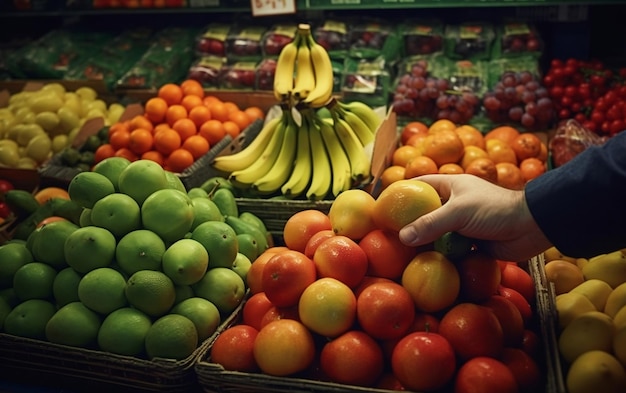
point(581, 206)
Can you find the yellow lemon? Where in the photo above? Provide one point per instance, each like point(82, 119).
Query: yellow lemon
point(596, 371)
point(570, 305)
point(595, 290)
point(592, 330)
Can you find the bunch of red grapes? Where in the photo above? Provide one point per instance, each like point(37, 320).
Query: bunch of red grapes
point(418, 94)
point(518, 97)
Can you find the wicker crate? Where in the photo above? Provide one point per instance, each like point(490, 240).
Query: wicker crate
point(214, 379)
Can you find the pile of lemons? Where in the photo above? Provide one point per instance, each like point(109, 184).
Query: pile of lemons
point(591, 327)
point(37, 124)
point(151, 270)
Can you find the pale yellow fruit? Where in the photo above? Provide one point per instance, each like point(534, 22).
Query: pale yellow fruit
point(595, 290)
point(55, 88)
point(39, 148)
point(609, 267)
point(553, 253)
point(9, 156)
point(619, 345)
point(26, 163)
point(351, 214)
point(46, 102)
point(59, 142)
point(26, 132)
point(571, 305)
point(68, 119)
point(581, 262)
point(619, 320)
point(594, 372)
point(564, 275)
point(87, 93)
point(592, 330)
point(616, 300)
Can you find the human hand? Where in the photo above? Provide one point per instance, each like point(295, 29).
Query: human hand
point(496, 217)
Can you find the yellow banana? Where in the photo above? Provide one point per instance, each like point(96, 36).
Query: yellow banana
point(301, 173)
point(285, 66)
point(305, 74)
point(262, 165)
point(321, 177)
point(324, 79)
point(280, 171)
point(361, 129)
point(360, 164)
point(364, 112)
point(339, 162)
point(245, 157)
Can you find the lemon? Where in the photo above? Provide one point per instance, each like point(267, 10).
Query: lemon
point(151, 292)
point(172, 336)
point(124, 332)
point(609, 267)
point(139, 250)
point(29, 318)
point(103, 290)
point(89, 248)
point(111, 168)
point(73, 324)
point(570, 305)
point(39, 148)
point(588, 331)
point(141, 178)
point(204, 314)
point(596, 371)
point(45, 242)
point(86, 188)
point(595, 290)
point(13, 256)
point(619, 320)
point(616, 300)
point(619, 344)
point(220, 241)
point(185, 262)
point(119, 213)
point(65, 286)
point(223, 287)
point(351, 214)
point(34, 280)
point(168, 213)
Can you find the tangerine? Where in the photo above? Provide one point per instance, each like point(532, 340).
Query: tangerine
point(451, 169)
point(471, 136)
point(140, 141)
point(232, 129)
point(219, 111)
point(171, 93)
point(403, 154)
point(153, 155)
point(199, 115)
point(391, 174)
point(192, 87)
point(444, 147)
point(191, 101)
point(441, 125)
point(185, 127)
point(213, 131)
point(254, 113)
point(179, 160)
point(531, 168)
point(166, 141)
point(197, 145)
point(103, 151)
point(140, 121)
point(510, 176)
point(504, 133)
point(175, 112)
point(526, 145)
point(419, 166)
point(240, 118)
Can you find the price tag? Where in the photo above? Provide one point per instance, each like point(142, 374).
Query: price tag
point(272, 7)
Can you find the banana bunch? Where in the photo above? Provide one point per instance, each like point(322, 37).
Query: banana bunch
point(304, 72)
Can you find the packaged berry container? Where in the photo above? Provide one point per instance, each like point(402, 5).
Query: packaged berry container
point(275, 39)
point(212, 40)
point(421, 37)
point(469, 40)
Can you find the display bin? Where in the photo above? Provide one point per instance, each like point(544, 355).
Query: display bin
point(22, 179)
point(213, 378)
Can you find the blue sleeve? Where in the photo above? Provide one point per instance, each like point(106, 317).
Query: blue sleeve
point(581, 206)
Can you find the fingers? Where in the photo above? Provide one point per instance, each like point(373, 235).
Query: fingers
point(429, 227)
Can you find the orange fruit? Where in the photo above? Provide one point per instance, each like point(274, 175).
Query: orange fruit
point(231, 106)
point(410, 129)
point(197, 145)
point(171, 93)
point(386, 254)
point(484, 168)
point(192, 87)
point(284, 347)
point(119, 139)
point(185, 127)
point(403, 202)
point(444, 147)
point(327, 307)
point(470, 153)
point(175, 112)
point(210, 100)
point(167, 141)
point(240, 118)
point(199, 115)
point(213, 131)
point(421, 165)
point(179, 160)
point(153, 155)
point(120, 125)
point(500, 151)
point(140, 121)
point(451, 169)
point(564, 275)
point(126, 153)
point(219, 111)
point(140, 141)
point(160, 127)
point(231, 128)
point(191, 101)
point(510, 176)
point(526, 145)
point(543, 154)
point(417, 140)
point(254, 113)
point(504, 133)
point(441, 125)
point(391, 174)
point(531, 168)
point(103, 151)
point(351, 213)
point(470, 136)
point(155, 109)
point(302, 225)
point(404, 154)
point(47, 193)
point(233, 349)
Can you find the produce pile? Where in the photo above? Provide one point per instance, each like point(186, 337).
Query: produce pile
point(126, 261)
point(316, 147)
point(345, 302)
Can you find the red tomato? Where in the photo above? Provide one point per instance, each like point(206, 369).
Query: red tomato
point(385, 310)
point(480, 276)
point(423, 361)
point(509, 317)
point(5, 186)
point(520, 302)
point(255, 308)
point(233, 349)
point(524, 368)
point(486, 375)
point(519, 279)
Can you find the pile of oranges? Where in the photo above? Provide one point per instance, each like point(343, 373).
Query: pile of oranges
point(503, 155)
point(179, 125)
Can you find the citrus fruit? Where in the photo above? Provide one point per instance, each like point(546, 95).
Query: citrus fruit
point(65, 286)
point(168, 213)
point(172, 336)
point(204, 315)
point(119, 213)
point(242, 265)
point(141, 178)
point(223, 287)
point(404, 201)
point(571, 305)
point(185, 262)
point(233, 349)
point(351, 214)
point(284, 347)
point(13, 256)
point(34, 281)
point(592, 330)
point(29, 318)
point(220, 241)
point(47, 193)
point(150, 291)
point(174, 182)
point(204, 209)
point(84, 219)
point(86, 188)
point(75, 325)
point(596, 290)
point(327, 307)
point(595, 371)
point(564, 275)
point(124, 331)
point(140, 249)
point(301, 225)
point(88, 248)
point(44, 242)
point(183, 292)
point(103, 290)
point(443, 147)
